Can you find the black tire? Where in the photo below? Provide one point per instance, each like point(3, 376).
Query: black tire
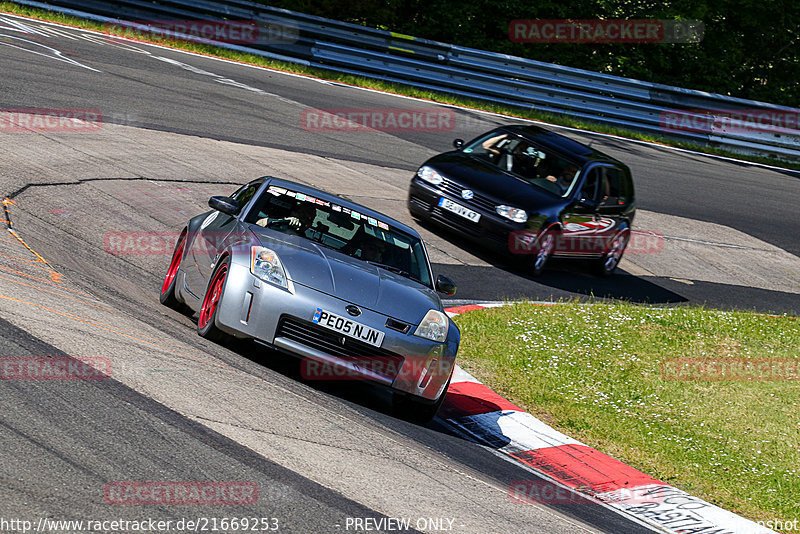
point(168, 297)
point(544, 249)
point(606, 265)
point(415, 410)
point(207, 320)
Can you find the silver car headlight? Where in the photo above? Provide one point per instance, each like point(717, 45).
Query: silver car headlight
point(433, 326)
point(514, 214)
point(266, 265)
point(430, 175)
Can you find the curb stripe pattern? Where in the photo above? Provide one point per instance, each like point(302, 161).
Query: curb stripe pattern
point(489, 419)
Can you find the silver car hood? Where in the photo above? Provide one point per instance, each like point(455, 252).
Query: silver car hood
point(351, 279)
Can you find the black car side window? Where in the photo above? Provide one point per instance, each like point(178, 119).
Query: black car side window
point(589, 189)
point(612, 190)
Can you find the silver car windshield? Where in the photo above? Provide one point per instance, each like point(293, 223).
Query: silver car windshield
point(537, 166)
point(343, 229)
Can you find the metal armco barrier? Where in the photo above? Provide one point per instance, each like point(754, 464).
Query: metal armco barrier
point(704, 118)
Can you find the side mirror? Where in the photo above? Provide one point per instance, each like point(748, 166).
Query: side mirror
point(445, 285)
point(226, 205)
point(458, 143)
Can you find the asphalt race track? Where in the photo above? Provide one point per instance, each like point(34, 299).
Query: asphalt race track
point(179, 128)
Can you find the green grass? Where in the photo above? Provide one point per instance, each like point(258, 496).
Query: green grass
point(401, 89)
point(594, 372)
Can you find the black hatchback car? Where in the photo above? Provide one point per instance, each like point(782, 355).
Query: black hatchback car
point(531, 193)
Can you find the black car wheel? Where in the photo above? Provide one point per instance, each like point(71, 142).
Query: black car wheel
point(608, 263)
point(544, 250)
point(207, 322)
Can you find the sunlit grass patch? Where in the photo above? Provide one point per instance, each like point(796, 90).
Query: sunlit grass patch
point(597, 372)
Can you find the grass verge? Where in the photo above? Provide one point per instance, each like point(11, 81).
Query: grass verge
point(597, 373)
point(400, 89)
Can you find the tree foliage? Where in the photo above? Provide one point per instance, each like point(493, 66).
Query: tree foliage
point(750, 47)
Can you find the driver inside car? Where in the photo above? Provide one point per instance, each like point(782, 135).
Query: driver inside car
point(565, 177)
point(372, 250)
point(300, 219)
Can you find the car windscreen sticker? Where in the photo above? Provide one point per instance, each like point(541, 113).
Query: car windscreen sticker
point(354, 214)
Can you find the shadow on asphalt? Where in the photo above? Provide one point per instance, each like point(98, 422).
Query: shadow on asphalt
point(561, 281)
point(504, 278)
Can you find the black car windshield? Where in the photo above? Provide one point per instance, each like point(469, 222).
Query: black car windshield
point(520, 157)
point(346, 230)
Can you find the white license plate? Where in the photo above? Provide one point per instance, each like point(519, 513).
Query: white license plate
point(348, 327)
point(458, 209)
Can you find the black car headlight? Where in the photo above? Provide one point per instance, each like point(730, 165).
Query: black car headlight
point(429, 175)
point(512, 214)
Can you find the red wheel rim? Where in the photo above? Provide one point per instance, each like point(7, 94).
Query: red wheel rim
point(212, 297)
point(173, 267)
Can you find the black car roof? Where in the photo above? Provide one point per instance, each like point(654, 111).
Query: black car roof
point(557, 142)
point(341, 201)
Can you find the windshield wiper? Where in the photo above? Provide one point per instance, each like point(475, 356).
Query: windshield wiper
point(392, 268)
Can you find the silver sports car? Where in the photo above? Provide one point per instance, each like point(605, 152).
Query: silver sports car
point(312, 274)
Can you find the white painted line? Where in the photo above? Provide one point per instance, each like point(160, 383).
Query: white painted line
point(59, 33)
point(55, 54)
